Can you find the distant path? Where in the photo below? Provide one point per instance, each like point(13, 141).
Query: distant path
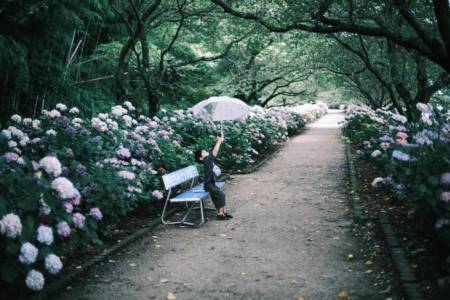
point(290, 237)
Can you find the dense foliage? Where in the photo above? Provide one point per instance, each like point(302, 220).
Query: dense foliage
point(414, 156)
point(66, 179)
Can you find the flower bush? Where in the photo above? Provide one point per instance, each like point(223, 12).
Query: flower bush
point(414, 156)
point(69, 180)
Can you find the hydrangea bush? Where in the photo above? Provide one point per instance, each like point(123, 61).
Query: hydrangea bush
point(68, 179)
point(414, 156)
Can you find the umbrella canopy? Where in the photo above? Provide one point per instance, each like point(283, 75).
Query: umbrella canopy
point(221, 108)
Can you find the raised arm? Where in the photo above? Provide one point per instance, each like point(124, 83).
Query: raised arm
point(216, 148)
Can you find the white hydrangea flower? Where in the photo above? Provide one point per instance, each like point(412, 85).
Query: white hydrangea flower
point(45, 235)
point(65, 188)
point(128, 120)
point(12, 144)
point(103, 116)
point(28, 253)
point(21, 161)
point(53, 264)
point(99, 125)
point(61, 107)
point(129, 105)
point(376, 153)
point(51, 165)
point(77, 122)
point(36, 124)
point(24, 141)
point(74, 111)
point(35, 280)
point(16, 118)
point(118, 110)
point(50, 132)
point(16, 132)
point(27, 121)
point(6, 133)
point(10, 225)
point(53, 113)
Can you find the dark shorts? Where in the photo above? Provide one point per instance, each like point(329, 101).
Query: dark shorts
point(217, 196)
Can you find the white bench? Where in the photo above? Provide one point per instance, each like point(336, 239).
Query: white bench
point(195, 194)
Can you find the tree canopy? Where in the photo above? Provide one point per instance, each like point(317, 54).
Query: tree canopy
point(177, 52)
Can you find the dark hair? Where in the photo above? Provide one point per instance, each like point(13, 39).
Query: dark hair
point(198, 155)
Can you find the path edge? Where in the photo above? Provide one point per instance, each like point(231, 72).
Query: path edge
point(402, 267)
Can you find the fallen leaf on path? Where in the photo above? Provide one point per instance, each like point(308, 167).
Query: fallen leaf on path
point(164, 280)
point(301, 298)
point(171, 296)
point(349, 256)
point(223, 235)
point(343, 294)
point(132, 264)
point(294, 281)
point(369, 271)
point(149, 278)
point(369, 262)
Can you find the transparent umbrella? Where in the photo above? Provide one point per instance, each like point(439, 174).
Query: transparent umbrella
point(222, 108)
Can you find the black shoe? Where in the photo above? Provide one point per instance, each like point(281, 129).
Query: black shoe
point(221, 217)
point(228, 216)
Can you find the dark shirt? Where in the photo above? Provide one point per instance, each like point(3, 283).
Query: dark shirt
point(208, 165)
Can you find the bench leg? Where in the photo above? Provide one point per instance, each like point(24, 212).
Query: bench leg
point(163, 214)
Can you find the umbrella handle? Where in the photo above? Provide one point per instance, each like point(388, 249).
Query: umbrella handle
point(221, 128)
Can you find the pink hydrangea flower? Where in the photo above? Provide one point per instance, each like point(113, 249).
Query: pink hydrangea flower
point(68, 207)
point(157, 194)
point(126, 175)
point(445, 196)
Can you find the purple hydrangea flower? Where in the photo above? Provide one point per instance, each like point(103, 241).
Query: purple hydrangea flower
point(79, 220)
point(85, 132)
point(68, 207)
point(96, 213)
point(62, 121)
point(401, 155)
point(441, 223)
point(10, 157)
point(445, 179)
point(81, 169)
point(69, 153)
point(63, 229)
point(445, 196)
point(70, 130)
point(65, 171)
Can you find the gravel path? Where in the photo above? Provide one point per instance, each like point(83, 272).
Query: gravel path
point(290, 237)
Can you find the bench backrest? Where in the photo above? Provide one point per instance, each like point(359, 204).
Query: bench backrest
point(180, 176)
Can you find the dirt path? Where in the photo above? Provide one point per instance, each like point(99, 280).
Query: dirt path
point(290, 237)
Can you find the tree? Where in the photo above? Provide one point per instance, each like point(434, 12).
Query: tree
point(426, 26)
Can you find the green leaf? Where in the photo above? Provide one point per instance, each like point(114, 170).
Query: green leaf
point(433, 180)
point(12, 248)
point(9, 272)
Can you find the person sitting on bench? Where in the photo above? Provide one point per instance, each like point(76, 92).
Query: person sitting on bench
point(217, 196)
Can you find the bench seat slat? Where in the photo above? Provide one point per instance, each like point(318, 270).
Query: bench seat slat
point(199, 187)
point(195, 193)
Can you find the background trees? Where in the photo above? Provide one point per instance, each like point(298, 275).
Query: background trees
point(176, 52)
